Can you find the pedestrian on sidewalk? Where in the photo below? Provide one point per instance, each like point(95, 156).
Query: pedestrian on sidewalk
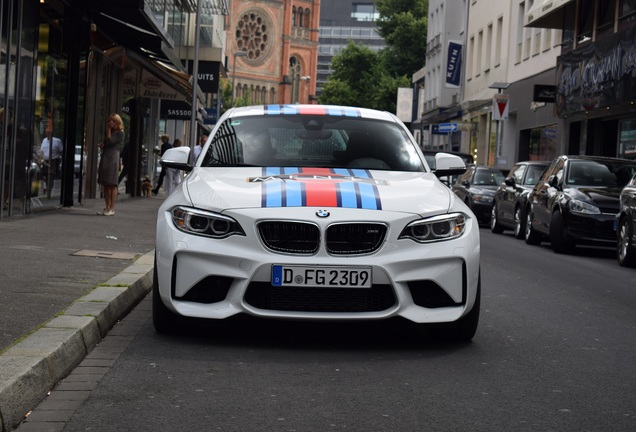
point(199, 146)
point(165, 145)
point(108, 171)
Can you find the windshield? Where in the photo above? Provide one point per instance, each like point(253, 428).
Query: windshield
point(312, 141)
point(599, 173)
point(488, 177)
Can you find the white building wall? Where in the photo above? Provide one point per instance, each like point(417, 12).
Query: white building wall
point(532, 50)
point(488, 47)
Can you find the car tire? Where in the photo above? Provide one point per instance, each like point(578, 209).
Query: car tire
point(520, 223)
point(559, 243)
point(163, 319)
point(625, 253)
point(495, 227)
point(531, 235)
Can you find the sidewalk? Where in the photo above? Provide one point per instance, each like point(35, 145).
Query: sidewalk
point(66, 277)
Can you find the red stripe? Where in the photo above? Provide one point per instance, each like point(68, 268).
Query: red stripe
point(319, 193)
point(312, 110)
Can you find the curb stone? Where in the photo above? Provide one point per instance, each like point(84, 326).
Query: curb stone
point(32, 367)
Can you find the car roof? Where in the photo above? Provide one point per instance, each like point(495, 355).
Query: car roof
point(598, 158)
point(316, 110)
point(533, 162)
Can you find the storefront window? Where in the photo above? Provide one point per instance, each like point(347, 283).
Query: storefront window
point(50, 106)
point(543, 143)
point(627, 139)
point(16, 79)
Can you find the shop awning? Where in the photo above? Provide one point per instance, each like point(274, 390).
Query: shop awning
point(175, 85)
point(547, 14)
point(132, 24)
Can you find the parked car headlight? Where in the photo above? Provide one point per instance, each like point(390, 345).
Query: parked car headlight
point(483, 198)
point(204, 223)
point(438, 228)
point(582, 207)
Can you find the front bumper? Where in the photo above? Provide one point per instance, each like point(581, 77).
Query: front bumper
point(210, 278)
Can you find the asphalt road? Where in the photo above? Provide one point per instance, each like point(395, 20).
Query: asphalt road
point(554, 352)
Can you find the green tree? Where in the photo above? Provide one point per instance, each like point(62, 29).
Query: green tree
point(361, 78)
point(403, 25)
point(226, 97)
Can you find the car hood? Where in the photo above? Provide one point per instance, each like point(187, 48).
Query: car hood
point(603, 197)
point(219, 189)
point(483, 190)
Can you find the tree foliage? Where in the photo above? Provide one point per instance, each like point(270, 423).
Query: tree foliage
point(226, 97)
point(361, 78)
point(366, 78)
point(403, 25)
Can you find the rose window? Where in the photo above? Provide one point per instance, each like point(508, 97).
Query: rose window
point(252, 35)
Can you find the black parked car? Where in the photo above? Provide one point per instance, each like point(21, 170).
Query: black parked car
point(476, 187)
point(509, 205)
point(626, 226)
point(576, 201)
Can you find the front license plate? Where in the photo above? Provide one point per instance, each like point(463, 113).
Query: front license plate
point(327, 277)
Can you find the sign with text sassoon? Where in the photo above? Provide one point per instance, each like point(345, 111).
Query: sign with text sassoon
point(454, 64)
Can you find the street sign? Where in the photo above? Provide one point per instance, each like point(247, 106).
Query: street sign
point(447, 127)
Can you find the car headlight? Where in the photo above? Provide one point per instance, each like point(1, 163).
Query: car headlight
point(483, 198)
point(204, 223)
point(582, 207)
point(438, 228)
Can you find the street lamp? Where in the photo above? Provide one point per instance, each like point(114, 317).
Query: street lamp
point(236, 54)
point(306, 78)
point(500, 87)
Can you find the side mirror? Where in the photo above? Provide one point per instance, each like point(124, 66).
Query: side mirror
point(510, 182)
point(553, 181)
point(448, 165)
point(466, 183)
point(177, 158)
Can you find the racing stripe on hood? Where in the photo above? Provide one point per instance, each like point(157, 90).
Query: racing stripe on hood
point(311, 110)
point(319, 187)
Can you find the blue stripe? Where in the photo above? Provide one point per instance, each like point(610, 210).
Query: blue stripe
point(368, 196)
point(348, 195)
point(360, 173)
point(289, 109)
point(295, 193)
point(342, 171)
point(272, 109)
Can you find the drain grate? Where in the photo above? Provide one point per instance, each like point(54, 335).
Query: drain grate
point(105, 254)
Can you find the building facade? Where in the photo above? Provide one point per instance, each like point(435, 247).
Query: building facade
point(342, 21)
point(488, 83)
point(65, 65)
point(441, 82)
point(272, 50)
point(595, 80)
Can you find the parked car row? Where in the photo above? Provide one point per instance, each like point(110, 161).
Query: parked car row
point(477, 187)
point(570, 201)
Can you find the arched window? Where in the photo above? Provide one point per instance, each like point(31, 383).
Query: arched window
point(245, 92)
point(294, 75)
point(307, 15)
point(237, 91)
point(294, 16)
point(263, 95)
point(272, 96)
point(252, 93)
point(300, 17)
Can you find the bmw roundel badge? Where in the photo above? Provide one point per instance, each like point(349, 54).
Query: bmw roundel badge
point(322, 213)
